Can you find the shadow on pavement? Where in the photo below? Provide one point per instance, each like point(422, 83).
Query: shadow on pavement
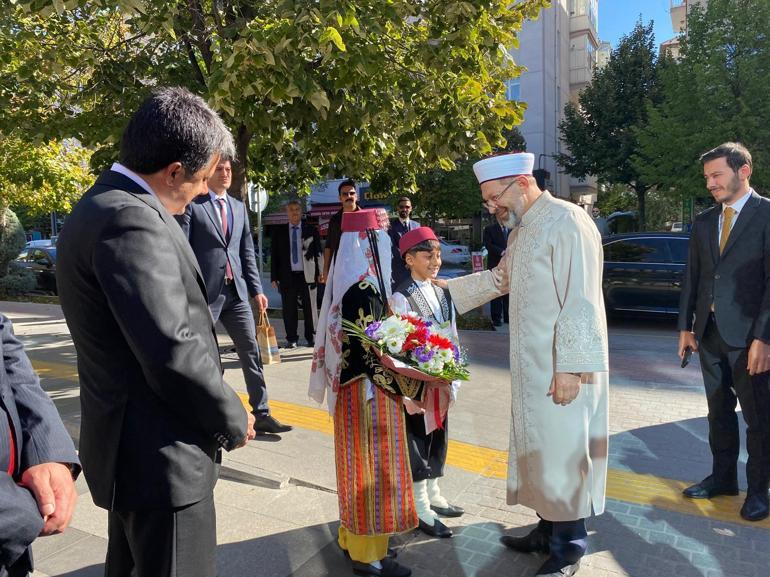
point(677, 450)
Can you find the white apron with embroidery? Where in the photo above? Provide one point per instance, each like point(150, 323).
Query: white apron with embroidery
point(557, 458)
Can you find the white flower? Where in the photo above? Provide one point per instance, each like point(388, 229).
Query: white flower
point(394, 346)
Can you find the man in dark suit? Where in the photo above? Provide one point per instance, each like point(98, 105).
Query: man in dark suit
point(155, 410)
point(38, 463)
point(289, 247)
point(495, 241)
point(724, 315)
point(399, 226)
point(217, 226)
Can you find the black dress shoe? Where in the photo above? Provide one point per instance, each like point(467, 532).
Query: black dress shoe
point(449, 511)
point(755, 507)
point(534, 542)
point(708, 488)
point(437, 530)
point(290, 345)
point(268, 424)
point(390, 568)
point(497, 323)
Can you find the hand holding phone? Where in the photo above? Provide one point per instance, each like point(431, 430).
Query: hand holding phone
point(686, 357)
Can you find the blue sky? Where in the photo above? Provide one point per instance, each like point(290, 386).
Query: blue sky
point(618, 17)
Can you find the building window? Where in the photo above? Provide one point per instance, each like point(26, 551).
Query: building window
point(513, 90)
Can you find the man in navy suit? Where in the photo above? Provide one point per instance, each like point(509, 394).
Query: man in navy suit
point(38, 463)
point(291, 246)
point(217, 226)
point(399, 226)
point(724, 315)
point(495, 241)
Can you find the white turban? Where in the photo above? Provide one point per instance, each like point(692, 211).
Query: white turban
point(504, 165)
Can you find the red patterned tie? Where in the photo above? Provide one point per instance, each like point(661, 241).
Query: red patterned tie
point(223, 217)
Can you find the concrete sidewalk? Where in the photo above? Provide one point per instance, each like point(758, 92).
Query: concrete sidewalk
point(276, 500)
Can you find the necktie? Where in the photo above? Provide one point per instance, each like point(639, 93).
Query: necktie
point(727, 221)
point(225, 232)
point(294, 244)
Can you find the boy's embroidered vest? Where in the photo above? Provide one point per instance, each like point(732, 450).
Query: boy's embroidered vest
point(419, 304)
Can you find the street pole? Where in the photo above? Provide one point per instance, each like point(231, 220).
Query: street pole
point(259, 233)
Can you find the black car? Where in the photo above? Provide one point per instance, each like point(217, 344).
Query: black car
point(42, 262)
point(643, 271)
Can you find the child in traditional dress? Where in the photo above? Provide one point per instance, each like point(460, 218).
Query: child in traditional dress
point(426, 420)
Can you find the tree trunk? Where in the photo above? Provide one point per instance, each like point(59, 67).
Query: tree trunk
point(641, 197)
point(242, 140)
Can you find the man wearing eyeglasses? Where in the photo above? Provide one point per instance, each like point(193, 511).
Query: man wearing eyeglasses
point(399, 226)
point(552, 273)
point(348, 194)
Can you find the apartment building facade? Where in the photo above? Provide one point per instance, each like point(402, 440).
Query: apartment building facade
point(559, 50)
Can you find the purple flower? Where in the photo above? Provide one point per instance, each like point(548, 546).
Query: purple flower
point(423, 354)
point(371, 329)
point(428, 323)
point(456, 353)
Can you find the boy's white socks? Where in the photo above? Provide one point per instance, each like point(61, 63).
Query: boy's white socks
point(434, 494)
point(422, 503)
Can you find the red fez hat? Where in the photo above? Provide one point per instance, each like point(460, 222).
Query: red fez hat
point(359, 220)
point(415, 237)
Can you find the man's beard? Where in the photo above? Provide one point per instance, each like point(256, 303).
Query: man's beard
point(512, 221)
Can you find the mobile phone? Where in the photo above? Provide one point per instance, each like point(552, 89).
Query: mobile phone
point(686, 357)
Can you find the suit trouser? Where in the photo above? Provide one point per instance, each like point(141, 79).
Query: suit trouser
point(498, 309)
point(296, 289)
point(20, 568)
point(568, 542)
point(238, 320)
point(177, 542)
point(427, 452)
point(726, 379)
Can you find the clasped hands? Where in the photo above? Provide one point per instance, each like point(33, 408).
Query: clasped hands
point(564, 388)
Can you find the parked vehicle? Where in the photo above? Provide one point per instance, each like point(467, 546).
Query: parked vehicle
point(42, 262)
point(454, 253)
point(40, 243)
point(643, 271)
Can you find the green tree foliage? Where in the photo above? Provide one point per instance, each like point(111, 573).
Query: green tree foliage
point(716, 92)
point(42, 177)
point(601, 130)
point(455, 193)
point(13, 280)
point(310, 89)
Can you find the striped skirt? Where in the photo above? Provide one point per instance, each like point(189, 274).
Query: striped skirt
point(374, 482)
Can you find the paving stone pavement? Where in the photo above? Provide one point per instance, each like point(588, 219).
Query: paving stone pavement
point(277, 529)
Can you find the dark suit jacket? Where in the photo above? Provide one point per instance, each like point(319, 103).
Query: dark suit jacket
point(280, 251)
point(39, 437)
point(738, 282)
point(495, 243)
point(202, 225)
point(397, 229)
point(155, 410)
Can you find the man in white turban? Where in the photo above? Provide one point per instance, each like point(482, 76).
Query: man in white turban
point(552, 273)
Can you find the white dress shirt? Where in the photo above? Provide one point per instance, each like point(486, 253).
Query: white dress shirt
point(737, 206)
point(128, 173)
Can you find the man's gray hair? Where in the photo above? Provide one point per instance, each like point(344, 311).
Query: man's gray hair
point(174, 125)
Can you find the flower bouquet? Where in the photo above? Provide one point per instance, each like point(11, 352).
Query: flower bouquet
point(414, 348)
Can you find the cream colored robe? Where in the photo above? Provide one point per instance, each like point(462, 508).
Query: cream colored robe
point(552, 270)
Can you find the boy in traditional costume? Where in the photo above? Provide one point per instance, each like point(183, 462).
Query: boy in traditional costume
point(426, 420)
point(374, 483)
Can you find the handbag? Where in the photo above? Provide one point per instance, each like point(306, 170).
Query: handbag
point(268, 344)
